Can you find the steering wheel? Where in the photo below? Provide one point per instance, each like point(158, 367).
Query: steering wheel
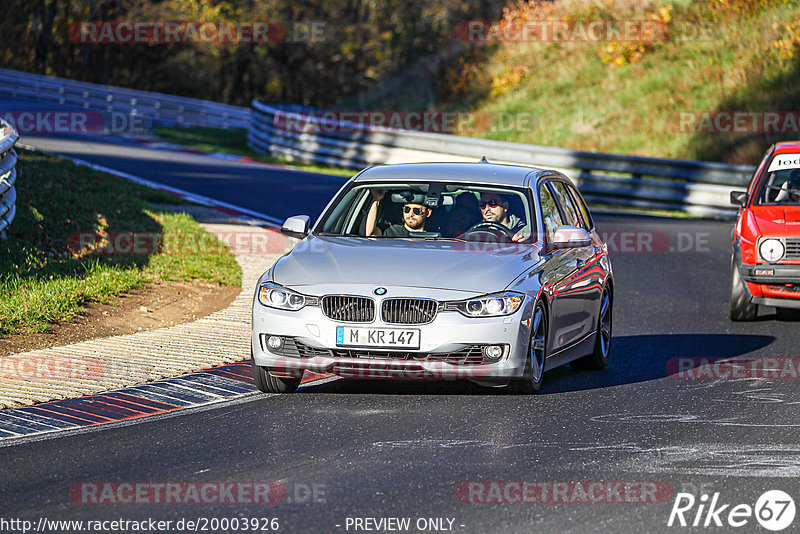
point(488, 229)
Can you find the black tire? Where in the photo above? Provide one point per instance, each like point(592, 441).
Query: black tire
point(532, 378)
point(267, 383)
point(741, 303)
point(598, 359)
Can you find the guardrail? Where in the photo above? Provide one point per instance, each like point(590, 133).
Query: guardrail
point(161, 109)
point(8, 176)
point(697, 188)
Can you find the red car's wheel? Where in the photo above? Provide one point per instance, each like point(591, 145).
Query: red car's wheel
point(742, 307)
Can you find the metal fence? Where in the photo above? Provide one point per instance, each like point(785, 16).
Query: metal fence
point(156, 108)
point(8, 176)
point(697, 188)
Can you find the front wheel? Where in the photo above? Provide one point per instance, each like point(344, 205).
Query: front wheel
point(598, 359)
point(741, 303)
point(267, 383)
point(531, 380)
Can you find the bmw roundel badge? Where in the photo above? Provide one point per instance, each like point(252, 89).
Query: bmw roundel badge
point(380, 291)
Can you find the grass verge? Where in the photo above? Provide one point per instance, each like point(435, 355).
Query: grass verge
point(46, 274)
point(233, 141)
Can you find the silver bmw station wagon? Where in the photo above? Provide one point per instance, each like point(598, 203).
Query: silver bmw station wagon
point(478, 271)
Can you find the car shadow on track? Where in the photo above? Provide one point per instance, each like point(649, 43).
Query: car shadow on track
point(633, 359)
point(650, 357)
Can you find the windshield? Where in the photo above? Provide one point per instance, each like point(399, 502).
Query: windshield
point(408, 210)
point(781, 187)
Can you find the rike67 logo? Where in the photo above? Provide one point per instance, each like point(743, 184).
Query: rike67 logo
point(774, 510)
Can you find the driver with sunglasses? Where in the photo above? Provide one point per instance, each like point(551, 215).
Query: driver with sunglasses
point(414, 217)
point(494, 209)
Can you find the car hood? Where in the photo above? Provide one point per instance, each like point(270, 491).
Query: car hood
point(404, 262)
point(778, 221)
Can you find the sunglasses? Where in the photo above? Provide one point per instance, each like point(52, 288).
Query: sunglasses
point(491, 203)
point(417, 211)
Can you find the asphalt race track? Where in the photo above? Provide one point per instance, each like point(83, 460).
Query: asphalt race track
point(349, 452)
point(271, 190)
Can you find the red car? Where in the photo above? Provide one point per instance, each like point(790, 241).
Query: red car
point(765, 268)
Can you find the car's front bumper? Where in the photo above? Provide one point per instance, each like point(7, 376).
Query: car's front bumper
point(781, 288)
point(443, 343)
point(782, 273)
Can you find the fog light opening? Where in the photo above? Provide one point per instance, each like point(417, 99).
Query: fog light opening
point(493, 352)
point(274, 342)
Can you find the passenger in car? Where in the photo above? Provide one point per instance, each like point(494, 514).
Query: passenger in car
point(462, 216)
point(414, 218)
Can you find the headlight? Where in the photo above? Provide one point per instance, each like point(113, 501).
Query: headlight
point(771, 250)
point(275, 296)
point(488, 306)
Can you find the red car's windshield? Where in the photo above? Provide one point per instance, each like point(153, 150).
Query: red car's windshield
point(781, 186)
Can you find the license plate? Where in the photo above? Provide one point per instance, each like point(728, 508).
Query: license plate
point(406, 338)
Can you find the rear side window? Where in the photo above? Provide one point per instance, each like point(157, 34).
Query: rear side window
point(568, 205)
point(550, 215)
point(584, 211)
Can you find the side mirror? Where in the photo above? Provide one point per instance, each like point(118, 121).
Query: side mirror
point(570, 237)
point(738, 198)
point(296, 226)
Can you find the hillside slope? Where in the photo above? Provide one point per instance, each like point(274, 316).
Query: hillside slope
point(658, 97)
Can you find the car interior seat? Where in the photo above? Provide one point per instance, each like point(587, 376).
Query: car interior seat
point(782, 195)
